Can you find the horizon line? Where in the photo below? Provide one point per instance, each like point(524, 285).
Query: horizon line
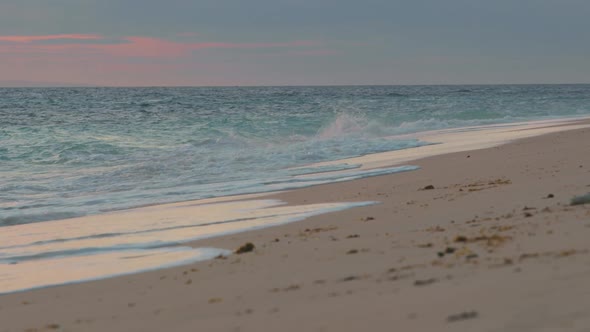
point(85, 85)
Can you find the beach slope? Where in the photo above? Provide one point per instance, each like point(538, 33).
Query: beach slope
point(483, 240)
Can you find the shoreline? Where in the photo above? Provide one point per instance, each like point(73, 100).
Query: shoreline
point(504, 133)
point(393, 257)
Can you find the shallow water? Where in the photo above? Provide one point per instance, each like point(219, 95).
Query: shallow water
point(79, 249)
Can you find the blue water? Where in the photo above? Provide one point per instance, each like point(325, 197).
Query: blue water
point(68, 152)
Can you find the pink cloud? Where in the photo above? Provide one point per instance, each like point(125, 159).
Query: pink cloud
point(131, 60)
point(313, 52)
point(131, 46)
point(143, 47)
point(156, 47)
point(30, 39)
point(298, 43)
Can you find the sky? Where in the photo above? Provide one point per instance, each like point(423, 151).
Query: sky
point(294, 42)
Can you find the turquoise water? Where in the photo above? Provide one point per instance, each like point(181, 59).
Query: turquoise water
point(67, 152)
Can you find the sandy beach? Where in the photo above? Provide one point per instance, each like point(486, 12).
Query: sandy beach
point(479, 240)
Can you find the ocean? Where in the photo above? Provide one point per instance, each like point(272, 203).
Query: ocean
point(72, 152)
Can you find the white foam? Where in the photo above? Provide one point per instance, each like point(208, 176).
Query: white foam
point(457, 140)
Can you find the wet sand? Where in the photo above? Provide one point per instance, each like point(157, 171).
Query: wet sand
point(482, 240)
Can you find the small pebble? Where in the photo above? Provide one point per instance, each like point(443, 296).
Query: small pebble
point(462, 316)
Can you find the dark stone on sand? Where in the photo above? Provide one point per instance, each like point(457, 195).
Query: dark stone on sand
point(428, 187)
point(248, 247)
point(425, 282)
point(461, 238)
point(352, 251)
point(550, 196)
point(579, 200)
point(350, 278)
point(462, 316)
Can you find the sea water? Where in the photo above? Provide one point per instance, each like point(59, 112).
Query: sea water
point(71, 152)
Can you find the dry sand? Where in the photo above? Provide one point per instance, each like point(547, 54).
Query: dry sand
point(494, 246)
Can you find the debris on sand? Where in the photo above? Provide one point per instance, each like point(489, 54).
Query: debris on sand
point(435, 229)
point(448, 250)
point(461, 238)
point(248, 247)
point(350, 278)
point(425, 282)
point(291, 288)
point(483, 185)
point(492, 241)
point(428, 187)
point(462, 316)
point(425, 245)
point(318, 230)
point(579, 200)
